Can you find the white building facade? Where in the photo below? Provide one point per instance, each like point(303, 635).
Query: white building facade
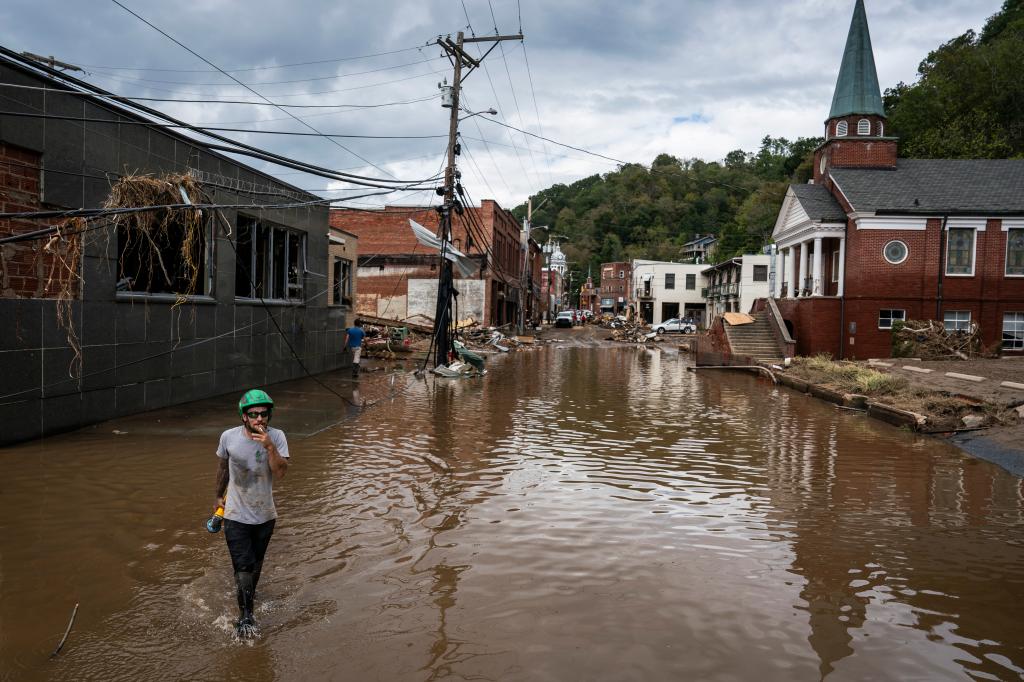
point(663, 290)
point(735, 284)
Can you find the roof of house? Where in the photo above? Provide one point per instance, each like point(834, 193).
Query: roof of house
point(700, 241)
point(819, 204)
point(857, 90)
point(948, 186)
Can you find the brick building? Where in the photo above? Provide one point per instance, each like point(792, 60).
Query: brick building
point(397, 276)
point(874, 238)
point(138, 339)
point(616, 279)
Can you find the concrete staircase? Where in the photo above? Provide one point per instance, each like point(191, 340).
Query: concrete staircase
point(755, 340)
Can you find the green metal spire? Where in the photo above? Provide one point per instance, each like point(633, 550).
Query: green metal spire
point(857, 89)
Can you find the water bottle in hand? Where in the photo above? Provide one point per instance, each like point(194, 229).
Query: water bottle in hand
point(216, 521)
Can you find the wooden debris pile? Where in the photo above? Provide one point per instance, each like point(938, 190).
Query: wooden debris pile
point(930, 340)
point(631, 332)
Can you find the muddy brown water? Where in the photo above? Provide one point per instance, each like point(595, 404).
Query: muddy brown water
point(608, 515)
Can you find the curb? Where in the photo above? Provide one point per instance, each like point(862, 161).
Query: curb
point(886, 413)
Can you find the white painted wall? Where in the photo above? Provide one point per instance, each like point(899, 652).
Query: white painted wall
point(423, 298)
point(750, 290)
point(680, 294)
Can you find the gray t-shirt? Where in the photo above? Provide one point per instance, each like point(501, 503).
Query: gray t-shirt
point(251, 486)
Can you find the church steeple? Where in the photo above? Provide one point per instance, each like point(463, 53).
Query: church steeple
point(857, 90)
point(855, 129)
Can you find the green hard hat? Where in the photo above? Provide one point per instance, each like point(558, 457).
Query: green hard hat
point(253, 398)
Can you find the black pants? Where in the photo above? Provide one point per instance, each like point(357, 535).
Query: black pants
point(247, 543)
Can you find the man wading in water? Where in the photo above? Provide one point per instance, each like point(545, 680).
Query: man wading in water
point(252, 456)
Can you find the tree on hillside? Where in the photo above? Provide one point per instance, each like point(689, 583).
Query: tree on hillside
point(968, 101)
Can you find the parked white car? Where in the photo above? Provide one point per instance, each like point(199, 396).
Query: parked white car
point(674, 324)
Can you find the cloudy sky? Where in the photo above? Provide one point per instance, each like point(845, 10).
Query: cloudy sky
point(627, 80)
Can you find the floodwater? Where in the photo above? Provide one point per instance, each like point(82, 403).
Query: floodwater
point(607, 515)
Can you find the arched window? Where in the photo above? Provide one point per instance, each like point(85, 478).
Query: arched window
point(863, 127)
point(881, 129)
point(841, 129)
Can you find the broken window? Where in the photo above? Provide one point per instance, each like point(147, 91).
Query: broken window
point(271, 261)
point(342, 282)
point(166, 261)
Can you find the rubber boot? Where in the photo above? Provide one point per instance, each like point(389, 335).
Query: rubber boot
point(245, 586)
point(355, 370)
point(256, 578)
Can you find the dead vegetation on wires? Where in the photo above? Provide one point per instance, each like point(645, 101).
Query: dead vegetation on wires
point(167, 243)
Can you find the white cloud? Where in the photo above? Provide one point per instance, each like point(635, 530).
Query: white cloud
point(610, 77)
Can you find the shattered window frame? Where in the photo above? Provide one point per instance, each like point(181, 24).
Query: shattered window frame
point(341, 285)
point(276, 265)
point(135, 270)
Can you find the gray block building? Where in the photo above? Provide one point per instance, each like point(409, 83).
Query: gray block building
point(260, 294)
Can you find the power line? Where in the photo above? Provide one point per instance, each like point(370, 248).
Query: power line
point(236, 148)
point(197, 55)
point(229, 101)
point(560, 144)
point(300, 94)
point(152, 124)
point(254, 68)
point(512, 88)
point(283, 82)
point(103, 212)
point(533, 93)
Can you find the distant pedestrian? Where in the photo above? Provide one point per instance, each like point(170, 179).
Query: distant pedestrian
point(252, 456)
point(354, 340)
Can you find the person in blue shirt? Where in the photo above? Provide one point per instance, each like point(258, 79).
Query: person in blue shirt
point(354, 340)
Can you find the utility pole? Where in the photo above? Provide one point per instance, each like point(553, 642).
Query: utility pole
point(445, 282)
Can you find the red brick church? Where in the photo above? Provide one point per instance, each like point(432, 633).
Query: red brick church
point(873, 238)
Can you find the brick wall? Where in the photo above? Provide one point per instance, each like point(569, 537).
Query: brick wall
point(853, 150)
point(385, 238)
point(873, 284)
point(815, 324)
point(27, 269)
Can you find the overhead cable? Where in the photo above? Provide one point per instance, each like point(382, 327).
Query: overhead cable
point(83, 119)
point(207, 61)
point(254, 68)
point(237, 146)
point(231, 101)
point(284, 82)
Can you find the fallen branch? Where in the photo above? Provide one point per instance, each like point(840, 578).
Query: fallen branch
point(66, 633)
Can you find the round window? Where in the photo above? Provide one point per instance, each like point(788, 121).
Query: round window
point(821, 164)
point(895, 252)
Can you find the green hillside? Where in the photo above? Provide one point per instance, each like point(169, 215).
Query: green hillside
point(968, 102)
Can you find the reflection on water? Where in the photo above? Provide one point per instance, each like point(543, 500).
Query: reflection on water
point(607, 515)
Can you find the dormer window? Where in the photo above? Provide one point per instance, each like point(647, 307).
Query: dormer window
point(863, 127)
point(842, 129)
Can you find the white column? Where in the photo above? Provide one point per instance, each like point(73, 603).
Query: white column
point(791, 273)
point(803, 266)
point(842, 266)
point(780, 269)
point(816, 277)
